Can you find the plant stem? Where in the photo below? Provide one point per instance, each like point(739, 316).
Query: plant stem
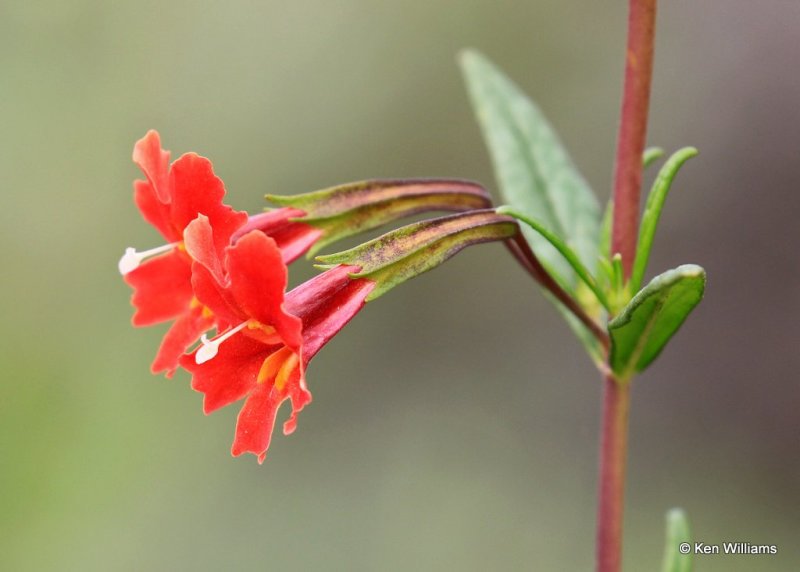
point(613, 454)
point(624, 233)
point(633, 129)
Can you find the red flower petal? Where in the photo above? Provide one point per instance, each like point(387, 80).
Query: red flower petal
point(258, 279)
point(210, 293)
point(196, 190)
point(182, 334)
point(198, 238)
point(230, 375)
point(154, 163)
point(154, 211)
point(256, 420)
point(162, 288)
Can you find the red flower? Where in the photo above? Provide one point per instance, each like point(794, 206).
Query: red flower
point(169, 199)
point(263, 356)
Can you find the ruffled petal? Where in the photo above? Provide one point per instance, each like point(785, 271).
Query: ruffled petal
point(154, 211)
point(196, 190)
point(258, 279)
point(198, 238)
point(256, 421)
point(230, 375)
point(300, 396)
point(154, 163)
point(212, 294)
point(182, 334)
point(162, 288)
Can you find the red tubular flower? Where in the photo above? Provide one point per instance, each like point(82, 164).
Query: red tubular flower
point(169, 199)
point(263, 356)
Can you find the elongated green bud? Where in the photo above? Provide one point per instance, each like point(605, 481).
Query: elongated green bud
point(409, 251)
point(349, 209)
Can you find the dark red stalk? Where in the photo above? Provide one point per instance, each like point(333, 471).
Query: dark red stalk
point(633, 129)
point(625, 230)
point(613, 453)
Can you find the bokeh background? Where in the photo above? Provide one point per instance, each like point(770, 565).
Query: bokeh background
point(454, 423)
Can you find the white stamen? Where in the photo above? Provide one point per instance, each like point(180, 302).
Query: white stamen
point(210, 348)
point(131, 260)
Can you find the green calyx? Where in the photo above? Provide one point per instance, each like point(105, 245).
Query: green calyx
point(402, 254)
point(346, 210)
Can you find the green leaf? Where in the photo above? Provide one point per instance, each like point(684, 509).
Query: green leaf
point(568, 254)
point(651, 318)
point(652, 211)
point(533, 170)
point(678, 532)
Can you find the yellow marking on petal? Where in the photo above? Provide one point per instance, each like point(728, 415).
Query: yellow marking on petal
point(205, 311)
point(256, 325)
point(271, 366)
point(286, 370)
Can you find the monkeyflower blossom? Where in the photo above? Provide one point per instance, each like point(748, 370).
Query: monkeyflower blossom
point(171, 196)
point(262, 356)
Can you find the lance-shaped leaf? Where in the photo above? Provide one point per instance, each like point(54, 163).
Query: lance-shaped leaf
point(678, 532)
point(533, 170)
point(349, 209)
point(652, 211)
point(409, 251)
point(651, 318)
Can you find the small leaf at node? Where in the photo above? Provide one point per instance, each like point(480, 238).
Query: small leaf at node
point(651, 318)
point(652, 212)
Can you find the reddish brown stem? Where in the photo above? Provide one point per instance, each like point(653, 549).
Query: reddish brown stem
point(613, 454)
point(633, 129)
point(625, 230)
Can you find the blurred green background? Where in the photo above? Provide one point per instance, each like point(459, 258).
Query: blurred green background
point(454, 423)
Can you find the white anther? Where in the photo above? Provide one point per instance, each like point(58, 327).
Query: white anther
point(131, 260)
point(210, 348)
